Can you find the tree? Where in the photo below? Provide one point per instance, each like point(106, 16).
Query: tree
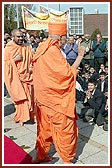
point(10, 16)
point(93, 36)
point(6, 18)
point(29, 6)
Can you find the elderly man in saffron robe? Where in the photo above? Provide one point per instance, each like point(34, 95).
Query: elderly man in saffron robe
point(54, 88)
point(18, 76)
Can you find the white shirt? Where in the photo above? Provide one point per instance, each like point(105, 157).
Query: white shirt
point(102, 85)
point(63, 53)
point(78, 87)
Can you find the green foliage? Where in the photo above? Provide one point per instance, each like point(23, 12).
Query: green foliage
point(29, 6)
point(12, 137)
point(25, 147)
point(10, 16)
point(7, 129)
point(93, 36)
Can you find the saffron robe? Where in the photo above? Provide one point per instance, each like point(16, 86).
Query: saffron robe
point(54, 89)
point(18, 80)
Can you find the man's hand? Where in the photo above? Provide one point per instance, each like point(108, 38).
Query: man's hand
point(72, 47)
point(81, 51)
point(18, 58)
point(88, 94)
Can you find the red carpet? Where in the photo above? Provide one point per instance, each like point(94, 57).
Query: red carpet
point(14, 154)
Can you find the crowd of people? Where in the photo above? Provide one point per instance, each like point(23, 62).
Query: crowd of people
point(56, 80)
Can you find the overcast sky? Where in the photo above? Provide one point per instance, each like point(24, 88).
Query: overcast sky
point(89, 8)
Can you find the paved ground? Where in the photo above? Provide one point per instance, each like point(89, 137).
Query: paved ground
point(92, 146)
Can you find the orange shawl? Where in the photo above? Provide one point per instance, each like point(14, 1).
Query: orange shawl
point(16, 74)
point(53, 78)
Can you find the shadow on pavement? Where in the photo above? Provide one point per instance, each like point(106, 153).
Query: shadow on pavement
point(26, 160)
point(50, 153)
point(85, 131)
point(9, 109)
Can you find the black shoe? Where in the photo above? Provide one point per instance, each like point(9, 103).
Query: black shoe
point(105, 126)
point(5, 94)
point(8, 96)
point(80, 116)
point(105, 114)
point(85, 120)
point(94, 120)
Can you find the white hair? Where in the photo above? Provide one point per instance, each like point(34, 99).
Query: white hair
point(14, 31)
point(55, 36)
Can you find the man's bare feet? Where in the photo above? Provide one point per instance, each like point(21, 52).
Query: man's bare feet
point(21, 123)
point(35, 120)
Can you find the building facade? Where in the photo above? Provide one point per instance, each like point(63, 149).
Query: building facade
point(80, 23)
point(94, 21)
point(76, 21)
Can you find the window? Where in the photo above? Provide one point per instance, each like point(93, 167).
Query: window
point(80, 18)
point(80, 23)
point(72, 23)
point(80, 31)
point(80, 27)
point(76, 27)
point(71, 9)
point(72, 27)
point(80, 14)
point(71, 15)
point(75, 10)
point(76, 21)
point(72, 19)
point(75, 14)
point(76, 31)
point(80, 10)
point(72, 31)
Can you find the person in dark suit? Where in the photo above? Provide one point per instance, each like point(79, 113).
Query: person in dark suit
point(106, 71)
point(93, 74)
point(102, 82)
point(94, 101)
point(85, 80)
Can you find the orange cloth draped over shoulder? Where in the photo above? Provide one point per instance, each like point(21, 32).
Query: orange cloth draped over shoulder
point(54, 89)
point(54, 79)
point(18, 79)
